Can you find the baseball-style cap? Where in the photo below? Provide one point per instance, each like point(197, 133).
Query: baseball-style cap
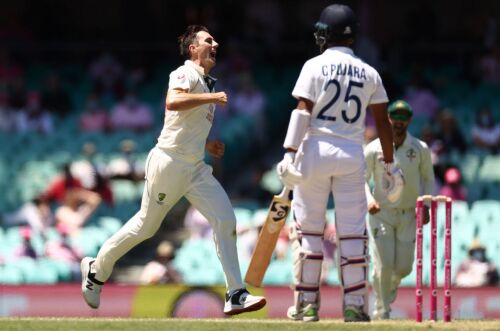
point(400, 105)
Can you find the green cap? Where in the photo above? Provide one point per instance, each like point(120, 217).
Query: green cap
point(400, 105)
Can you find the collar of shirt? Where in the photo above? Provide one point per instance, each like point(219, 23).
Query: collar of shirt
point(407, 140)
point(342, 49)
point(209, 80)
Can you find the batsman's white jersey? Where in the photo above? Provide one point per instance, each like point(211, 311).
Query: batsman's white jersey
point(175, 169)
point(341, 86)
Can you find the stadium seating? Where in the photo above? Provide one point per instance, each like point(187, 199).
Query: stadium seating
point(30, 161)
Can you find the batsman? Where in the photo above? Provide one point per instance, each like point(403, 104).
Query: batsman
point(392, 224)
point(324, 155)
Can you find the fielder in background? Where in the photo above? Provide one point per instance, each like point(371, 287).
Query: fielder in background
point(324, 155)
point(175, 169)
point(392, 224)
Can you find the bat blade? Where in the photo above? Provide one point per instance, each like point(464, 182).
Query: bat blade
point(275, 220)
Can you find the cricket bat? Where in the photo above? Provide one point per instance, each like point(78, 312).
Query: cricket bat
point(261, 257)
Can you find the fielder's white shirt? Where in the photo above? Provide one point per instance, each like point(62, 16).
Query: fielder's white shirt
point(341, 86)
point(185, 132)
point(414, 158)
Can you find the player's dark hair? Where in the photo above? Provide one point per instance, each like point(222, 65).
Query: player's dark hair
point(188, 38)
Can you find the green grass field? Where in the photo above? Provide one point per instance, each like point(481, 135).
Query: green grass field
point(130, 324)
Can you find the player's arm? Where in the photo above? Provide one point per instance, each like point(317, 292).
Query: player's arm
point(181, 99)
point(427, 172)
point(384, 130)
point(297, 128)
point(373, 206)
point(392, 181)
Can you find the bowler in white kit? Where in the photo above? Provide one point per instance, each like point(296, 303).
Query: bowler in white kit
point(175, 169)
point(324, 155)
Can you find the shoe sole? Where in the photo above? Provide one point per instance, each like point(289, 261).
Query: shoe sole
point(84, 267)
point(256, 306)
point(302, 318)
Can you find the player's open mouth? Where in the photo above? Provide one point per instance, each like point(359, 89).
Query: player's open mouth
point(212, 55)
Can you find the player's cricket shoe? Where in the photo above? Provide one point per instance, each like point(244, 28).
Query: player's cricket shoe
point(308, 313)
point(355, 314)
point(240, 301)
point(91, 287)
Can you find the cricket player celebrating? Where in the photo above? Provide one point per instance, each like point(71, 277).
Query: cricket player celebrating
point(175, 169)
point(392, 224)
point(325, 154)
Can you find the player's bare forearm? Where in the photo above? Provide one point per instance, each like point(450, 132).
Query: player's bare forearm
point(180, 100)
point(384, 130)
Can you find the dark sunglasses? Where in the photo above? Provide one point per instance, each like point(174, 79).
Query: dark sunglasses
point(400, 117)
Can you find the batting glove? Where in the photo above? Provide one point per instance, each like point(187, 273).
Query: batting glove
point(289, 175)
point(392, 182)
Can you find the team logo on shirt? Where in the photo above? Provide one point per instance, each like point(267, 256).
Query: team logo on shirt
point(181, 78)
point(411, 154)
point(161, 197)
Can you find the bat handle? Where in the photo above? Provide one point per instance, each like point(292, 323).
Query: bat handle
point(285, 193)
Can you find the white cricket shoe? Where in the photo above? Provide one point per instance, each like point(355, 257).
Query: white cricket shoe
point(240, 301)
point(91, 287)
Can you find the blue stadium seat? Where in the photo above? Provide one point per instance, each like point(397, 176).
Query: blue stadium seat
point(109, 224)
point(10, 275)
point(243, 217)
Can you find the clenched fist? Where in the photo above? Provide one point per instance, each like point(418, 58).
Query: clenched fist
point(215, 148)
point(220, 98)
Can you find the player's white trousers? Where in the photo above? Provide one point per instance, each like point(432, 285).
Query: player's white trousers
point(333, 165)
point(168, 179)
point(392, 235)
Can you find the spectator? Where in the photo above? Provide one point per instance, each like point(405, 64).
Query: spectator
point(161, 269)
point(453, 187)
point(91, 174)
point(107, 74)
point(421, 98)
point(62, 250)
point(131, 114)
point(55, 99)
point(476, 270)
point(449, 133)
point(250, 101)
point(26, 248)
point(36, 213)
point(33, 118)
point(94, 118)
point(489, 65)
point(436, 146)
point(197, 225)
point(127, 166)
point(57, 190)
point(485, 132)
point(77, 209)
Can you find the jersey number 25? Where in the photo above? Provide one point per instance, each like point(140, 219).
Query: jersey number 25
point(348, 96)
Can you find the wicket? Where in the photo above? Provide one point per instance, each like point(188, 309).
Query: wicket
point(434, 200)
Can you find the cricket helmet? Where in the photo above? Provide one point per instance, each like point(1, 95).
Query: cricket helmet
point(337, 23)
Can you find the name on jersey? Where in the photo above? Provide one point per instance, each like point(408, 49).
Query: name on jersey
point(341, 69)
